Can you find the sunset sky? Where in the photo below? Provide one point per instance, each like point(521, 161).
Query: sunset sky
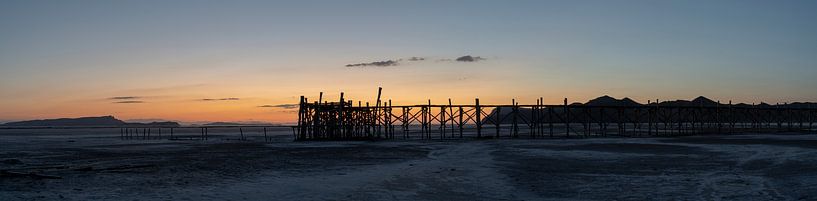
point(245, 60)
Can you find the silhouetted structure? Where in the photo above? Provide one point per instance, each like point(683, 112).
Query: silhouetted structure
point(322, 120)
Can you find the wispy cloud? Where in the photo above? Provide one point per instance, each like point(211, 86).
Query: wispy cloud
point(375, 64)
point(416, 59)
point(282, 106)
point(128, 102)
point(124, 98)
point(386, 63)
point(469, 58)
point(219, 99)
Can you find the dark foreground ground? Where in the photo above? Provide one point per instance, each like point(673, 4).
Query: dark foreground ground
point(737, 167)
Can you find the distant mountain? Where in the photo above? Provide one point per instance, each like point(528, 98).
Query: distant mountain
point(154, 124)
point(610, 101)
point(86, 121)
point(82, 121)
point(506, 116)
point(147, 120)
point(700, 101)
point(251, 123)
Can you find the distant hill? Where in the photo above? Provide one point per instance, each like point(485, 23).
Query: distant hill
point(699, 101)
point(504, 113)
point(154, 124)
point(237, 124)
point(84, 121)
point(610, 101)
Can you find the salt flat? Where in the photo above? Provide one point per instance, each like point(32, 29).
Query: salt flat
point(97, 165)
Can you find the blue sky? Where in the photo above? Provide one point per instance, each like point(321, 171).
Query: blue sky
point(67, 53)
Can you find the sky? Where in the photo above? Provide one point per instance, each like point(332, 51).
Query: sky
point(250, 60)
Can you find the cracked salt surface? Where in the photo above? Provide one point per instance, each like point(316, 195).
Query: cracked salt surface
point(99, 166)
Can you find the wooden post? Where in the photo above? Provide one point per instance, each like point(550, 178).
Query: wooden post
point(443, 122)
point(602, 123)
point(479, 118)
point(550, 121)
point(266, 139)
point(567, 119)
point(731, 118)
point(389, 126)
point(515, 111)
point(498, 119)
point(461, 123)
point(342, 117)
point(451, 116)
point(811, 120)
point(377, 112)
point(300, 118)
point(534, 118)
point(541, 116)
point(649, 118)
point(405, 121)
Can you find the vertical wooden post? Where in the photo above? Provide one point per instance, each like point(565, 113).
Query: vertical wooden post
point(405, 121)
point(429, 120)
point(478, 122)
point(389, 122)
point(451, 116)
point(541, 116)
point(300, 118)
point(586, 114)
point(567, 119)
point(550, 121)
point(731, 118)
point(602, 122)
point(443, 122)
point(534, 118)
point(241, 131)
point(342, 121)
point(515, 111)
point(498, 119)
point(649, 118)
point(811, 120)
point(718, 116)
point(460, 122)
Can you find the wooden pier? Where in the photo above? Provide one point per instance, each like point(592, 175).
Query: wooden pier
point(343, 120)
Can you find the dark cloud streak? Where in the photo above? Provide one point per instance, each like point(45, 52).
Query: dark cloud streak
point(469, 58)
point(219, 99)
point(129, 102)
point(124, 98)
point(375, 64)
point(282, 106)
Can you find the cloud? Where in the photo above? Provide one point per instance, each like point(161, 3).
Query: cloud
point(124, 98)
point(386, 63)
point(282, 106)
point(416, 59)
point(375, 64)
point(129, 102)
point(469, 58)
point(219, 99)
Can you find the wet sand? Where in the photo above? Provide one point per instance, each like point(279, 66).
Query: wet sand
point(734, 167)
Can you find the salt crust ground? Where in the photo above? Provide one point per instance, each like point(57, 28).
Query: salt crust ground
point(103, 167)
